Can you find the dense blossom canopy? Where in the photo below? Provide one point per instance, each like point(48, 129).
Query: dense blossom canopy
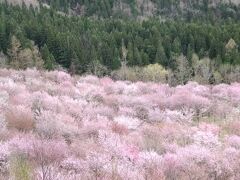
point(56, 127)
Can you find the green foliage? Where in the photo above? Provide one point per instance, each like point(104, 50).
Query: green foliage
point(152, 72)
point(161, 57)
point(82, 43)
point(20, 168)
point(22, 58)
point(48, 58)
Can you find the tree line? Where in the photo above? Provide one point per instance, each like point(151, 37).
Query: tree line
point(82, 44)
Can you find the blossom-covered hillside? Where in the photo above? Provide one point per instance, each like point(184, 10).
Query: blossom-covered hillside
point(56, 127)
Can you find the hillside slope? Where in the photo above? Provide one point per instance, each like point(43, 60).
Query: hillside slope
point(139, 8)
point(34, 3)
point(131, 8)
point(58, 127)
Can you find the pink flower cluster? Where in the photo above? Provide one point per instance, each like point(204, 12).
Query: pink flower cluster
point(85, 127)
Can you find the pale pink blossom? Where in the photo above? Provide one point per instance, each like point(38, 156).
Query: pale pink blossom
point(129, 122)
point(95, 128)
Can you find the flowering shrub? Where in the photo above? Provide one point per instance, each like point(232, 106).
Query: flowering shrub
point(4, 157)
point(119, 128)
point(130, 123)
point(234, 141)
point(60, 127)
point(233, 127)
point(20, 117)
point(206, 139)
